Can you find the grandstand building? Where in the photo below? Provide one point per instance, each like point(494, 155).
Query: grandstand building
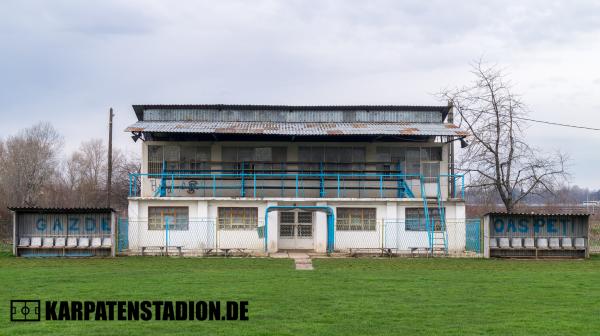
point(262, 178)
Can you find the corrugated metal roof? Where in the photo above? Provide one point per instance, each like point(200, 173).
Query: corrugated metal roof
point(297, 128)
point(537, 213)
point(139, 109)
point(291, 116)
point(61, 210)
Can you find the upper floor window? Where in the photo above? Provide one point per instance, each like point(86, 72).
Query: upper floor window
point(253, 159)
point(177, 218)
point(179, 158)
point(409, 160)
point(356, 219)
point(336, 158)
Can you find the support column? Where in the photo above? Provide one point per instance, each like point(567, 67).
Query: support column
point(272, 229)
point(320, 229)
point(113, 233)
point(486, 236)
point(133, 223)
point(15, 242)
point(204, 227)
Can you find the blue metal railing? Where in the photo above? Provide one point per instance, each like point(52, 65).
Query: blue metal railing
point(339, 185)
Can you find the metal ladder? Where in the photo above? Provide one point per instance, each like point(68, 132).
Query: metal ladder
point(162, 189)
point(403, 190)
point(440, 237)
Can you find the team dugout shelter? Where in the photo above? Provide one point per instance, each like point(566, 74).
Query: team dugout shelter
point(63, 232)
point(534, 235)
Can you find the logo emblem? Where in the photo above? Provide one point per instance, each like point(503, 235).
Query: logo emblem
point(24, 310)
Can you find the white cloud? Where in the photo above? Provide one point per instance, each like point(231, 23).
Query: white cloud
point(68, 61)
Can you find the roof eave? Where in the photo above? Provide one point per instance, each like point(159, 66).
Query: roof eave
point(139, 108)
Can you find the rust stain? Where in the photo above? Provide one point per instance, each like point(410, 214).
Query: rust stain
point(450, 126)
point(225, 130)
point(135, 129)
point(410, 130)
point(335, 132)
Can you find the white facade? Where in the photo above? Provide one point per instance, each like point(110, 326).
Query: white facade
point(199, 195)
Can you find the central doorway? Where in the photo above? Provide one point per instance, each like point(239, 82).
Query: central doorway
point(296, 230)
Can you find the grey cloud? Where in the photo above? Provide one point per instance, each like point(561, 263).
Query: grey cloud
point(67, 61)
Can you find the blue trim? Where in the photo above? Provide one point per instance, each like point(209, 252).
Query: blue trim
point(330, 221)
point(403, 190)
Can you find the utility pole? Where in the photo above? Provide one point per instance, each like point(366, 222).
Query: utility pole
point(450, 119)
point(109, 177)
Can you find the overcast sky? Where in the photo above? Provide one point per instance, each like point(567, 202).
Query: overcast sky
point(68, 61)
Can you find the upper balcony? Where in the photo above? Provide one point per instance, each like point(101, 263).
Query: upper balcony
point(295, 180)
point(266, 151)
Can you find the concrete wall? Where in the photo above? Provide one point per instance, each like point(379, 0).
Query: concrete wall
point(203, 233)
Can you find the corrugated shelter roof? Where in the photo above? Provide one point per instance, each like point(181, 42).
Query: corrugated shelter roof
point(297, 128)
point(537, 213)
point(61, 210)
point(139, 109)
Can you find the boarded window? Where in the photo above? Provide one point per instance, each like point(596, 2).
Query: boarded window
point(253, 159)
point(178, 158)
point(335, 158)
point(238, 218)
point(431, 170)
point(409, 160)
point(177, 218)
point(356, 219)
point(416, 221)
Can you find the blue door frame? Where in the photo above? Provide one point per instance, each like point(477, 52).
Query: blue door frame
point(324, 208)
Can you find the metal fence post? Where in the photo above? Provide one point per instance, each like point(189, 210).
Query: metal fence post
point(167, 236)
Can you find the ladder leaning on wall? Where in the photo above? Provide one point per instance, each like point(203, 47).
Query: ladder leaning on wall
point(440, 237)
point(437, 236)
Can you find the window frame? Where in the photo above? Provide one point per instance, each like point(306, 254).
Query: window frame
point(228, 222)
point(348, 224)
point(180, 224)
point(421, 225)
point(173, 157)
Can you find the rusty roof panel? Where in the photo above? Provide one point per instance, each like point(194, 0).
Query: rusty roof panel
point(292, 113)
point(296, 128)
point(537, 213)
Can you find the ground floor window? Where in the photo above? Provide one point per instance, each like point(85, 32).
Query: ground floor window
point(356, 219)
point(176, 217)
point(237, 218)
point(415, 219)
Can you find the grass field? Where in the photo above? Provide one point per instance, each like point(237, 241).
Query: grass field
point(341, 297)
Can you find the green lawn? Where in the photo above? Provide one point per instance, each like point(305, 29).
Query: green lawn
point(341, 297)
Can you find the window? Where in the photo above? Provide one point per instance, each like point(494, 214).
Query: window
point(176, 217)
point(415, 219)
point(238, 218)
point(253, 159)
point(183, 158)
point(356, 219)
point(410, 160)
point(431, 170)
point(335, 158)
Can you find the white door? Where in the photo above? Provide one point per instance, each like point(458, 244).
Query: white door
point(296, 230)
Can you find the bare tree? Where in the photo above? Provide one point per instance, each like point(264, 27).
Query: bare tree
point(84, 175)
point(499, 158)
point(29, 160)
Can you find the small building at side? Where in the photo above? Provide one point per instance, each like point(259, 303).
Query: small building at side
point(536, 235)
point(63, 232)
